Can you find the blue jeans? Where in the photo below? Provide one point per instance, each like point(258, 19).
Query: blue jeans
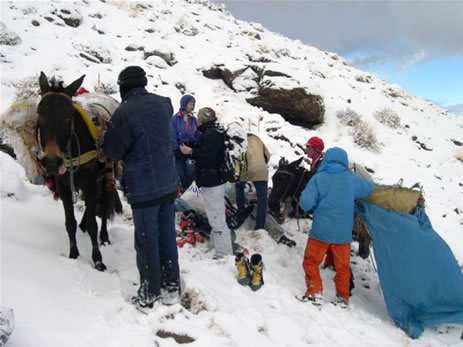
point(186, 171)
point(261, 190)
point(156, 247)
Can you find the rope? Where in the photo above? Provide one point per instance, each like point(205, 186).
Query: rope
point(72, 171)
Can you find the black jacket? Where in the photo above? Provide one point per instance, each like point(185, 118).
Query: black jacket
point(208, 154)
point(138, 134)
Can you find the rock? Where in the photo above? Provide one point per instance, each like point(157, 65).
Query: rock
point(179, 338)
point(71, 18)
point(35, 23)
point(88, 57)
point(168, 57)
point(308, 111)
point(423, 146)
point(218, 72)
point(94, 52)
point(271, 73)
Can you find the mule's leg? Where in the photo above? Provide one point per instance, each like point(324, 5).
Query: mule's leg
point(104, 237)
point(83, 222)
point(71, 223)
point(105, 211)
point(364, 248)
point(92, 227)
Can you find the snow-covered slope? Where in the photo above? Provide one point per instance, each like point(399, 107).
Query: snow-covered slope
point(62, 302)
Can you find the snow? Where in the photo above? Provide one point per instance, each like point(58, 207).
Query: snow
point(62, 302)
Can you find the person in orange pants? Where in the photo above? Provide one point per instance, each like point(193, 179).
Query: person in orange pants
point(330, 194)
point(314, 253)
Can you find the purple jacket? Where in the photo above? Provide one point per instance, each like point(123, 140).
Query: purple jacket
point(182, 132)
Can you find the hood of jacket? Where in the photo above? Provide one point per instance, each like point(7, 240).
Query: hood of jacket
point(334, 161)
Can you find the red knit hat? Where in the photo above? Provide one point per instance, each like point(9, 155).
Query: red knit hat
point(316, 143)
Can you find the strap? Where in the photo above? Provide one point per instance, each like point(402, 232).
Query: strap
point(91, 127)
point(83, 159)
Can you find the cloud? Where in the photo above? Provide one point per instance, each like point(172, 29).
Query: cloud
point(458, 109)
point(390, 31)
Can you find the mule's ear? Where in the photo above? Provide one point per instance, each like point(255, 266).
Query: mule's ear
point(296, 163)
point(43, 83)
point(74, 86)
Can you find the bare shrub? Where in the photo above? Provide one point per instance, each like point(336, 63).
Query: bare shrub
point(105, 88)
point(365, 136)
point(388, 117)
point(349, 117)
point(262, 83)
point(9, 39)
point(28, 87)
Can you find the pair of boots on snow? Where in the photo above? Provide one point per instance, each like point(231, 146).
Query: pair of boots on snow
point(250, 273)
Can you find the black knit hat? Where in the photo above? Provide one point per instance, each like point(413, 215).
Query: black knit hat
point(132, 77)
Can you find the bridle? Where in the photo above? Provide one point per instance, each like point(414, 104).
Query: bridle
point(72, 170)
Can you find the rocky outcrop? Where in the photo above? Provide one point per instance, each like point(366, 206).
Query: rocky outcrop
point(294, 105)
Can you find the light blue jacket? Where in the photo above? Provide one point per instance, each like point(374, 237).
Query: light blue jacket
point(331, 193)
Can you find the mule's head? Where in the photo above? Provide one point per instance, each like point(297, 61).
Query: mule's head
point(284, 183)
point(55, 122)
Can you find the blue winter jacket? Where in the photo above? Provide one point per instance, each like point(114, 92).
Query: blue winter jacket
point(181, 132)
point(331, 193)
point(138, 134)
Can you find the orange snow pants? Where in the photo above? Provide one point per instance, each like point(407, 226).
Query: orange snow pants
point(314, 253)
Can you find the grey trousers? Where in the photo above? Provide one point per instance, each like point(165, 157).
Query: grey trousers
point(214, 203)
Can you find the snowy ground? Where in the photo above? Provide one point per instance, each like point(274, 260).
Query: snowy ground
point(63, 302)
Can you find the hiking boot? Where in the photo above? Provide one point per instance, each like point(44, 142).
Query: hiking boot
point(286, 241)
point(257, 266)
point(170, 295)
point(244, 272)
point(340, 301)
point(144, 305)
point(314, 299)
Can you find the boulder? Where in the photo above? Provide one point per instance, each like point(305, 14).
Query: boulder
point(294, 105)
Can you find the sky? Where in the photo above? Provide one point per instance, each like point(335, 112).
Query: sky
point(417, 44)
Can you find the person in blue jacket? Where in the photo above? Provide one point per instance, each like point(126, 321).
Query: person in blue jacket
point(138, 134)
point(330, 194)
point(184, 131)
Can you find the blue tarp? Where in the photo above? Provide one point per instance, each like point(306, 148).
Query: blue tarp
point(421, 281)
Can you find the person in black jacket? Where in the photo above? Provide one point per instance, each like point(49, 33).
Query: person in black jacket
point(208, 154)
point(138, 134)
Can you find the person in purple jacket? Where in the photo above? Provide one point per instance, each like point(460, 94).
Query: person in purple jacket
point(184, 131)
